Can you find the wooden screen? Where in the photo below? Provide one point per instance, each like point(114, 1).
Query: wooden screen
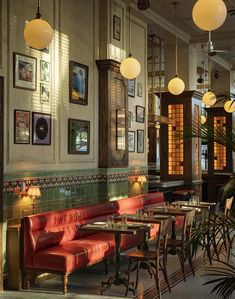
point(219, 150)
point(196, 141)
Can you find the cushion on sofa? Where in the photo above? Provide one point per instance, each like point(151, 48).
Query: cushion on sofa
point(153, 198)
point(129, 205)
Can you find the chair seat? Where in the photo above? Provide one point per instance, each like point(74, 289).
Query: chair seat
point(174, 243)
point(143, 255)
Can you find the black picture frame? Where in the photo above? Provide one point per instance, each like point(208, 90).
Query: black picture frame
point(131, 141)
point(129, 119)
point(78, 136)
point(78, 83)
point(131, 88)
point(116, 27)
point(140, 141)
point(41, 128)
point(21, 126)
point(24, 71)
point(139, 89)
point(140, 114)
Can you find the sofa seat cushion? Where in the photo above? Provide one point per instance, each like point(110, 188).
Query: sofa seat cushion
point(153, 198)
point(154, 231)
point(129, 241)
point(129, 205)
point(72, 255)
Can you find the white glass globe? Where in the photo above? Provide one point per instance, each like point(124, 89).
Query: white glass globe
point(130, 68)
point(229, 106)
point(203, 119)
point(209, 98)
point(209, 14)
point(38, 34)
point(176, 86)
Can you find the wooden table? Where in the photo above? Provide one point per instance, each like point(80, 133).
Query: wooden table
point(117, 229)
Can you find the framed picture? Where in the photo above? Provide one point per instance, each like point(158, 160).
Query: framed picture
point(131, 141)
point(41, 128)
point(139, 89)
point(129, 119)
point(116, 27)
point(140, 141)
point(131, 88)
point(44, 93)
point(78, 136)
point(78, 83)
point(140, 114)
point(121, 129)
point(44, 71)
point(21, 127)
point(24, 71)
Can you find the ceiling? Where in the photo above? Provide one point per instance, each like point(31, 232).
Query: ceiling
point(160, 18)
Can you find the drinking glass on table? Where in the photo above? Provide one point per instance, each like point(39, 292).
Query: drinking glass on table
point(124, 221)
point(110, 222)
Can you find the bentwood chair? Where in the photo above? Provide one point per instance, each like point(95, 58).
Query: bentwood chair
point(180, 244)
point(154, 260)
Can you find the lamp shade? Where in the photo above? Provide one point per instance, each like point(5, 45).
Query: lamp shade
point(229, 106)
point(34, 191)
point(176, 86)
point(141, 179)
point(130, 68)
point(202, 119)
point(38, 33)
point(209, 14)
point(209, 98)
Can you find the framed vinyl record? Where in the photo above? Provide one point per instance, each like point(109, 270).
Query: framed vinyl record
point(41, 128)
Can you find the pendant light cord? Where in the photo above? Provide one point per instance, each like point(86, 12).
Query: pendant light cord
point(129, 28)
point(176, 39)
point(38, 14)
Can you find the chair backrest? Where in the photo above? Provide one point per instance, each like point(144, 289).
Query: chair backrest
point(164, 226)
point(188, 223)
point(228, 206)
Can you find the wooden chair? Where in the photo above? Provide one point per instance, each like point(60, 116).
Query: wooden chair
point(179, 245)
point(154, 261)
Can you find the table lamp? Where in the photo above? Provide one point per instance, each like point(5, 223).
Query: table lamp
point(34, 192)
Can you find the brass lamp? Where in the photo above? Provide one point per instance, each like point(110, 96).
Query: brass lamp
point(34, 192)
point(141, 179)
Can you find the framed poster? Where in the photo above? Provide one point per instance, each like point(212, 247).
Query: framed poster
point(131, 88)
point(120, 129)
point(140, 141)
point(139, 89)
point(140, 111)
point(24, 71)
point(21, 127)
point(116, 27)
point(78, 136)
point(44, 71)
point(41, 128)
point(131, 141)
point(44, 93)
point(78, 83)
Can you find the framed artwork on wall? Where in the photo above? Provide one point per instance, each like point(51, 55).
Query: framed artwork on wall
point(41, 128)
point(139, 89)
point(44, 71)
point(131, 141)
point(131, 88)
point(120, 129)
point(116, 27)
point(140, 141)
point(129, 119)
point(78, 136)
point(21, 127)
point(78, 83)
point(24, 71)
point(44, 93)
point(140, 111)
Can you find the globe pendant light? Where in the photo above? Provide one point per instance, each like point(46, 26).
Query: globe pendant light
point(209, 98)
point(176, 85)
point(229, 106)
point(209, 14)
point(130, 67)
point(38, 33)
point(203, 119)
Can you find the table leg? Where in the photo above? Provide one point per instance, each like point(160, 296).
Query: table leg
point(173, 234)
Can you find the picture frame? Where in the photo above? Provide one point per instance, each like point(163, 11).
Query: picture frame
point(120, 129)
point(131, 141)
point(44, 71)
point(129, 119)
point(140, 114)
point(24, 71)
point(139, 89)
point(140, 141)
point(78, 136)
point(41, 128)
point(131, 88)
point(21, 126)
point(78, 83)
point(116, 27)
point(44, 93)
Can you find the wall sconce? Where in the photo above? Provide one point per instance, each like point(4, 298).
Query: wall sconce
point(141, 179)
point(21, 191)
point(34, 193)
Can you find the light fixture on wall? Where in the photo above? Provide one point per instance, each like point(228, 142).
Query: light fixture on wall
point(176, 85)
point(34, 193)
point(38, 33)
point(130, 67)
point(209, 14)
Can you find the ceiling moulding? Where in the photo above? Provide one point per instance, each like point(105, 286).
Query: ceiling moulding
point(221, 61)
point(162, 22)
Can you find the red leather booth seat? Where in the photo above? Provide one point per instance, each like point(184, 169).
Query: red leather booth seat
point(53, 242)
